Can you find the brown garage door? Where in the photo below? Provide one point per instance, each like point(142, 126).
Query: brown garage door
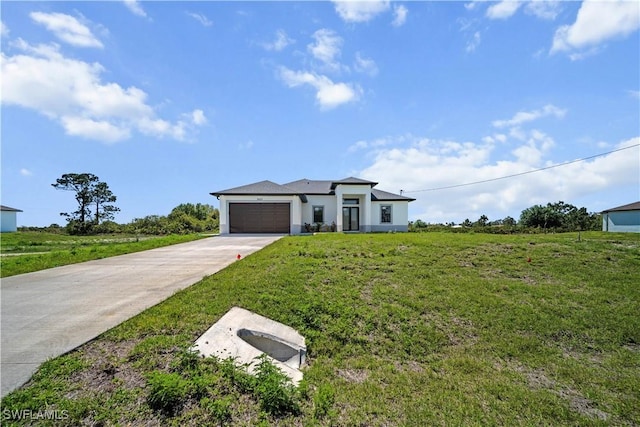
point(259, 217)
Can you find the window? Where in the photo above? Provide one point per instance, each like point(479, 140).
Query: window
point(385, 214)
point(350, 201)
point(318, 214)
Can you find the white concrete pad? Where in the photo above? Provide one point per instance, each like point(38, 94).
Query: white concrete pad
point(243, 335)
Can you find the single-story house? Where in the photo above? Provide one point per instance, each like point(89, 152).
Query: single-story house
point(350, 204)
point(624, 218)
point(8, 220)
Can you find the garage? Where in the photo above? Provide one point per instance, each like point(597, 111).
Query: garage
point(259, 217)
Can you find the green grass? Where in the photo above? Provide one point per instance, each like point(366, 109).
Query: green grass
point(401, 329)
point(25, 252)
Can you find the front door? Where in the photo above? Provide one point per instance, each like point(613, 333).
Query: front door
point(351, 218)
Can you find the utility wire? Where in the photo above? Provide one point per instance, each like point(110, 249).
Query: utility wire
point(519, 174)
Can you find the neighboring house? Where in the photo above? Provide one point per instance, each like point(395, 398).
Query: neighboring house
point(350, 204)
point(8, 221)
point(622, 219)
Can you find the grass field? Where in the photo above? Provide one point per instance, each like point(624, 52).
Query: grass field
point(24, 252)
point(401, 329)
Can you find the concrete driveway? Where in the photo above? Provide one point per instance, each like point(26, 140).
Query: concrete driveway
point(50, 312)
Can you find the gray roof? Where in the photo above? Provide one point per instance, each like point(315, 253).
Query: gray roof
point(630, 207)
point(309, 186)
point(304, 187)
point(381, 196)
point(262, 187)
point(8, 209)
point(353, 181)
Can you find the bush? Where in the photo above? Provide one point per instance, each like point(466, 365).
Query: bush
point(274, 390)
point(108, 227)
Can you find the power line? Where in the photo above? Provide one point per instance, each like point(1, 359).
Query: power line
point(521, 173)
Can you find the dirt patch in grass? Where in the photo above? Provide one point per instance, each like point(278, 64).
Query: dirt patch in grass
point(409, 366)
point(537, 379)
point(357, 376)
point(108, 369)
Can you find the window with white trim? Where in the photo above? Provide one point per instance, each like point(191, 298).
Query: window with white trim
point(385, 214)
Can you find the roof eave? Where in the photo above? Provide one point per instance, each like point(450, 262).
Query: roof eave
point(303, 197)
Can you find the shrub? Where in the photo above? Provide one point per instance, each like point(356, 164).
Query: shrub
point(274, 390)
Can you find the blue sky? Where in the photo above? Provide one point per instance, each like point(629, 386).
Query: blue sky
point(169, 101)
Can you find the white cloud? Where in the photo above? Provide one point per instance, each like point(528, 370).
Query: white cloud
point(328, 94)
point(161, 128)
point(25, 172)
point(200, 18)
point(376, 143)
point(72, 92)
point(529, 116)
point(474, 42)
point(4, 30)
point(580, 55)
point(503, 10)
point(101, 130)
point(326, 48)
point(198, 118)
point(634, 94)
point(365, 65)
point(281, 41)
point(422, 163)
point(360, 10)
point(531, 153)
point(471, 5)
point(597, 22)
point(67, 28)
point(135, 8)
point(544, 9)
point(399, 15)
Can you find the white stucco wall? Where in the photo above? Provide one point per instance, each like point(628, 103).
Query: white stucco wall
point(330, 209)
point(295, 212)
point(399, 216)
point(8, 222)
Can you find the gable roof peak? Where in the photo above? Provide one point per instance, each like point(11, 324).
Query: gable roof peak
point(353, 181)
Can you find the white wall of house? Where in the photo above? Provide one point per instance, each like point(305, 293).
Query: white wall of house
point(621, 221)
point(330, 209)
point(296, 209)
point(8, 222)
point(399, 216)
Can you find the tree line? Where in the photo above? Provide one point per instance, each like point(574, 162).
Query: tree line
point(556, 217)
point(96, 210)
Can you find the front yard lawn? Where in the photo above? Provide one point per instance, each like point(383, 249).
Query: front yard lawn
point(401, 329)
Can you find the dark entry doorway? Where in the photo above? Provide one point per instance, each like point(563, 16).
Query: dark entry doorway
point(350, 218)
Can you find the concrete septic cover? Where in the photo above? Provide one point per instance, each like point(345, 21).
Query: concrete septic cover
point(243, 335)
